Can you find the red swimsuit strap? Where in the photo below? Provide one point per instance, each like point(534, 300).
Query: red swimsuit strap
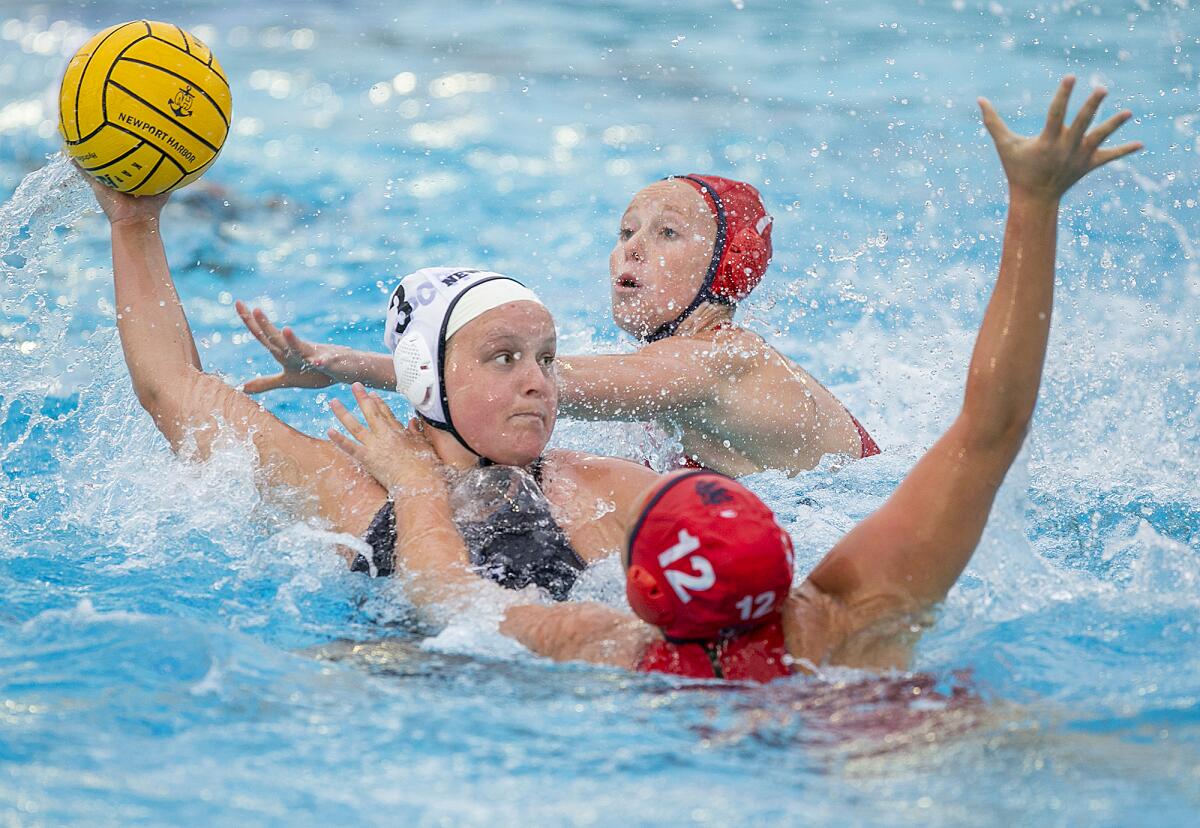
point(869, 447)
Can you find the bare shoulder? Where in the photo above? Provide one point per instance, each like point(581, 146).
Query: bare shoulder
point(602, 468)
point(613, 477)
point(755, 350)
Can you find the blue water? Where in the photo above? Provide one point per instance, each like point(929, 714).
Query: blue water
point(175, 650)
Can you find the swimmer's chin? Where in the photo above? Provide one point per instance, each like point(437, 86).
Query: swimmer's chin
point(523, 439)
point(633, 323)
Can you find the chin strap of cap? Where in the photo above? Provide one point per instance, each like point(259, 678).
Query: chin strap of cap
point(416, 379)
point(453, 432)
point(417, 337)
point(706, 293)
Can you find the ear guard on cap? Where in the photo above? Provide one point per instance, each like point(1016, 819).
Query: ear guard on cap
point(647, 598)
point(743, 264)
point(415, 374)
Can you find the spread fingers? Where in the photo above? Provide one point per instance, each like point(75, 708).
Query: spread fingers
point(348, 420)
point(251, 324)
point(1058, 108)
point(1083, 119)
point(1100, 134)
point(344, 443)
point(269, 330)
point(992, 121)
point(1103, 156)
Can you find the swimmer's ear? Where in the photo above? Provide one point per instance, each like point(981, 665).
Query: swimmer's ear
point(647, 597)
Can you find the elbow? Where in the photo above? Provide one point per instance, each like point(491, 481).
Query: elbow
point(175, 402)
point(1010, 437)
point(996, 415)
point(151, 397)
point(997, 433)
point(1018, 430)
point(156, 394)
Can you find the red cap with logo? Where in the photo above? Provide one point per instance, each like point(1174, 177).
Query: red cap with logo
point(706, 558)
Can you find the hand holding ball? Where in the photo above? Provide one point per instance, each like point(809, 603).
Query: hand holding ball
point(144, 107)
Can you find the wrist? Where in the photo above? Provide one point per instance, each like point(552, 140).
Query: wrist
point(333, 364)
point(135, 223)
point(424, 487)
point(1034, 199)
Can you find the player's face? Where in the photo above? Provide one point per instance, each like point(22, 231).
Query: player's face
point(500, 382)
point(662, 254)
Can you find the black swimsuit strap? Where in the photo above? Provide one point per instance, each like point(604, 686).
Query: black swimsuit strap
point(518, 545)
point(535, 468)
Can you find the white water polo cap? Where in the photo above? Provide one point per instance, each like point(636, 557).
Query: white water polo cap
point(426, 309)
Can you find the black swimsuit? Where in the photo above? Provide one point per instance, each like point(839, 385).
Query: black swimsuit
point(518, 544)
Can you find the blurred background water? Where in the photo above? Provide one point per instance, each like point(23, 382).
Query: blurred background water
point(173, 649)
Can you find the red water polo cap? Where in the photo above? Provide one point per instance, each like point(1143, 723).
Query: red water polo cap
point(743, 246)
point(741, 250)
point(706, 559)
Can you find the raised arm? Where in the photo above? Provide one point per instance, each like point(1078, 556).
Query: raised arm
point(155, 337)
point(909, 553)
point(185, 402)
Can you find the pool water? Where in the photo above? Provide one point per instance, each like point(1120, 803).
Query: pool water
point(174, 649)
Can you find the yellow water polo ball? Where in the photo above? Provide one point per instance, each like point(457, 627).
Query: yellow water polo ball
point(144, 107)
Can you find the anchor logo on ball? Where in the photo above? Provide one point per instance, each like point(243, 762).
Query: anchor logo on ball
point(181, 104)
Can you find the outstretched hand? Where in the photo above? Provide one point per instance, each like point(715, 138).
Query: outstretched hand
point(301, 361)
point(400, 458)
point(1047, 165)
